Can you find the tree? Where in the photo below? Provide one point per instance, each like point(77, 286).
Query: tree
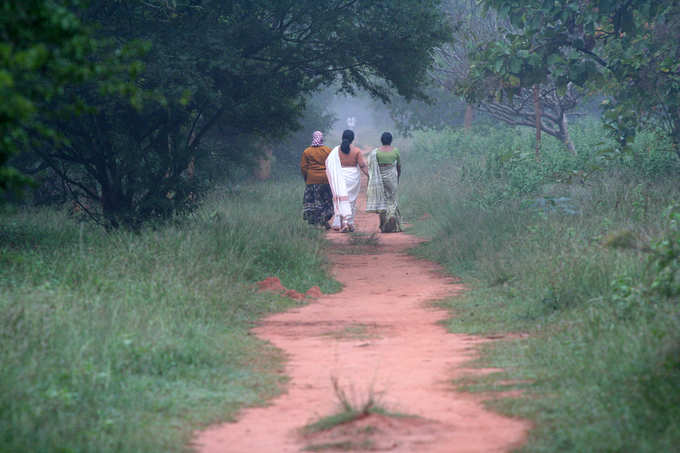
point(220, 73)
point(460, 67)
point(629, 50)
point(521, 110)
point(45, 48)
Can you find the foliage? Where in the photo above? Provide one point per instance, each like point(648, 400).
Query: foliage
point(45, 49)
point(665, 259)
point(222, 81)
point(498, 160)
point(115, 341)
point(443, 109)
point(316, 116)
point(627, 49)
point(535, 104)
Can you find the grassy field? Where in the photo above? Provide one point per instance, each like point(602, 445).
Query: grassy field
point(115, 341)
point(581, 253)
point(118, 341)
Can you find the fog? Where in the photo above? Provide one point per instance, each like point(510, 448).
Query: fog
point(368, 118)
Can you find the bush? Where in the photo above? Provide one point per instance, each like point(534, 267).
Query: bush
point(503, 158)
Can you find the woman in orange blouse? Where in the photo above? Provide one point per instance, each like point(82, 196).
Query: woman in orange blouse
point(317, 202)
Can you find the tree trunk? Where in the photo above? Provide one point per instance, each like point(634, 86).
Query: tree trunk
point(263, 168)
point(675, 133)
point(191, 168)
point(537, 111)
point(116, 207)
point(564, 129)
point(469, 117)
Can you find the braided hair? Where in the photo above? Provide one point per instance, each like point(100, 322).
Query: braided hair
point(347, 138)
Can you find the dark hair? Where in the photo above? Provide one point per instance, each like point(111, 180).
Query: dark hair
point(347, 137)
point(386, 138)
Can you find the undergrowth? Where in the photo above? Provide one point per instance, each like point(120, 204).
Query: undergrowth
point(580, 252)
point(117, 341)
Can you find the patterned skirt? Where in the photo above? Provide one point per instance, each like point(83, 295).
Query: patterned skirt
point(390, 217)
point(381, 195)
point(317, 204)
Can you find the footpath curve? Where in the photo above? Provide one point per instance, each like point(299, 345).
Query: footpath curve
point(379, 336)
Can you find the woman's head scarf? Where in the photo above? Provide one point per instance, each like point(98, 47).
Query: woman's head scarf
point(317, 138)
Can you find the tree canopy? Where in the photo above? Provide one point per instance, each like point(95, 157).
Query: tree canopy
point(216, 75)
point(44, 48)
point(627, 50)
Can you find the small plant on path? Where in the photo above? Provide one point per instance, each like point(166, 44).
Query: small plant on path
point(365, 239)
point(359, 424)
point(349, 410)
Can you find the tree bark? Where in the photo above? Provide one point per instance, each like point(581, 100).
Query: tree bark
point(537, 110)
point(675, 132)
point(564, 126)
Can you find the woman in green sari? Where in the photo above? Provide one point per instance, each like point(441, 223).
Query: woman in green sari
point(384, 170)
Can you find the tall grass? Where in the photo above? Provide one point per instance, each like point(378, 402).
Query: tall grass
point(566, 260)
point(116, 341)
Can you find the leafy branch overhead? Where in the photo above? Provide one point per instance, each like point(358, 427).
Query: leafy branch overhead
point(221, 80)
point(45, 49)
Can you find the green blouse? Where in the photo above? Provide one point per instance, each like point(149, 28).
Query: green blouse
point(388, 157)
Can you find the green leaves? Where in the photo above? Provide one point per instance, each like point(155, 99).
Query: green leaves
point(163, 86)
point(665, 258)
point(46, 49)
point(628, 50)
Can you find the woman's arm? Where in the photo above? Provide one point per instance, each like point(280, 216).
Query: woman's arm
point(398, 166)
point(362, 163)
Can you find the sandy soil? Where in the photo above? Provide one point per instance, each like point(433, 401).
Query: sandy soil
point(379, 337)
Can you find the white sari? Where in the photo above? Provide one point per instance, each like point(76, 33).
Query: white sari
point(345, 183)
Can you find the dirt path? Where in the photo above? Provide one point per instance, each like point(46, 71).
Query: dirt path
point(378, 336)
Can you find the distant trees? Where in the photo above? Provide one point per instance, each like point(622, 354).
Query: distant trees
point(443, 108)
point(216, 75)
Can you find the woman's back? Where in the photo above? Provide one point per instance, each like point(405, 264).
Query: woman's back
point(353, 158)
point(313, 164)
point(388, 157)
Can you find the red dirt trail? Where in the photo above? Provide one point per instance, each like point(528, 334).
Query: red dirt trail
point(379, 336)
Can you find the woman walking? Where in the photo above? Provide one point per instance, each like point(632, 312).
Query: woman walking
point(381, 195)
point(343, 167)
point(317, 202)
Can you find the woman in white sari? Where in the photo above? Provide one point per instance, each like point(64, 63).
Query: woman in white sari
point(343, 167)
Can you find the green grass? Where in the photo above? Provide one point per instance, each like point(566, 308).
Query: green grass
point(117, 341)
point(346, 445)
point(600, 368)
point(351, 407)
point(354, 331)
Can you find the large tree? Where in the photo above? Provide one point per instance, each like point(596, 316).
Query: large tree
point(217, 72)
